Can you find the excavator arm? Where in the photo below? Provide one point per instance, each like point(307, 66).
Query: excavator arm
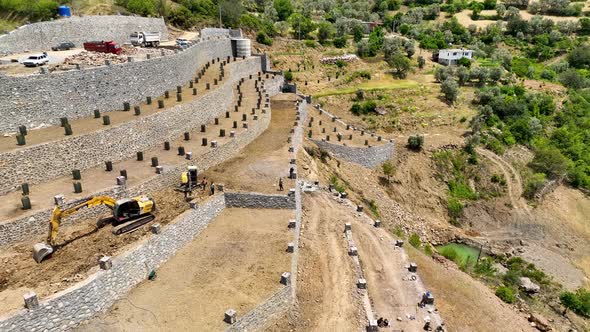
point(42, 250)
point(58, 213)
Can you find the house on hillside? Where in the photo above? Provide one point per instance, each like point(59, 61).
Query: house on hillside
point(451, 56)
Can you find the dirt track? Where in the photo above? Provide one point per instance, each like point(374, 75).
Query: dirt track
point(326, 292)
point(236, 262)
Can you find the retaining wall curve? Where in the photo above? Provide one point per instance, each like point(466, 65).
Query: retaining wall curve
point(41, 99)
point(41, 162)
point(365, 156)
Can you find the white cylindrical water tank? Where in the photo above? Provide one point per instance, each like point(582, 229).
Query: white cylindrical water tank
point(243, 47)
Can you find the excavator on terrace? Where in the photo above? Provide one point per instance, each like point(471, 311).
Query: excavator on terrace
point(128, 215)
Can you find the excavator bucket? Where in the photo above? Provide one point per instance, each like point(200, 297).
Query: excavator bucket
point(40, 251)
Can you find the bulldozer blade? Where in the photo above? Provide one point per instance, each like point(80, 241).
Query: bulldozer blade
point(40, 251)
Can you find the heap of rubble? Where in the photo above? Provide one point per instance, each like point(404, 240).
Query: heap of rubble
point(332, 60)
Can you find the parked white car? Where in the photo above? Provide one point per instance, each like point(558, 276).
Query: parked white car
point(35, 60)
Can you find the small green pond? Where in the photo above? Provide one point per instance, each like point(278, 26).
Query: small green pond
point(463, 252)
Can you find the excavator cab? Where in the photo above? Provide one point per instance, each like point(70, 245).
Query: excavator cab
point(188, 181)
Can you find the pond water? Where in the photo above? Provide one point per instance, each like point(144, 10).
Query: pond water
point(464, 252)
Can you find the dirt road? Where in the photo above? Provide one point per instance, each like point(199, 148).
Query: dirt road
point(513, 181)
point(236, 262)
point(326, 292)
point(393, 293)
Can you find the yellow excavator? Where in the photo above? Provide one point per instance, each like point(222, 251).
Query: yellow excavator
point(128, 214)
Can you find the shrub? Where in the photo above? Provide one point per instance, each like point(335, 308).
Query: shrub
point(464, 62)
point(415, 240)
point(388, 169)
point(454, 208)
point(421, 62)
point(534, 184)
point(288, 76)
point(181, 17)
point(262, 38)
point(363, 108)
point(485, 266)
point(505, 294)
point(578, 302)
point(340, 63)
point(415, 142)
point(339, 42)
point(310, 43)
point(325, 32)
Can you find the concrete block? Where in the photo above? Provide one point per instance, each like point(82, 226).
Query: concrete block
point(193, 205)
point(105, 263)
point(232, 134)
point(291, 193)
point(347, 227)
point(292, 223)
point(213, 144)
point(293, 161)
point(31, 300)
point(377, 223)
point(290, 247)
point(413, 267)
point(156, 228)
point(399, 243)
point(59, 199)
point(121, 180)
point(359, 208)
point(373, 326)
point(159, 169)
point(361, 284)
point(189, 155)
point(230, 316)
point(244, 124)
point(286, 278)
point(353, 251)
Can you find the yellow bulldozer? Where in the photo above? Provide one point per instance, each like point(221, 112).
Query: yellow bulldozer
point(128, 215)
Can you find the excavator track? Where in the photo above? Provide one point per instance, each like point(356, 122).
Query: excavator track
point(132, 225)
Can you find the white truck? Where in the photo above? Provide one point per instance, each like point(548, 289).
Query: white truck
point(141, 38)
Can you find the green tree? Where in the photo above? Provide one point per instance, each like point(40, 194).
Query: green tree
point(388, 169)
point(284, 9)
point(579, 57)
point(231, 11)
point(400, 64)
point(421, 62)
point(450, 90)
point(578, 302)
point(358, 32)
point(549, 160)
point(301, 25)
point(142, 7)
point(325, 32)
point(339, 42)
point(181, 17)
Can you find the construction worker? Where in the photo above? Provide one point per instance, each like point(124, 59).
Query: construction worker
point(291, 171)
point(204, 183)
point(212, 188)
point(280, 184)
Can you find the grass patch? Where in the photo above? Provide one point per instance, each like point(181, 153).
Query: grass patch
point(461, 254)
point(370, 86)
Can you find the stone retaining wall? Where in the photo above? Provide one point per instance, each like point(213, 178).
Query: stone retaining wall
point(99, 292)
point(259, 201)
point(44, 35)
point(36, 223)
point(366, 156)
point(283, 299)
point(38, 163)
point(42, 99)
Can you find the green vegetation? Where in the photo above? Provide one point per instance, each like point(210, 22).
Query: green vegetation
point(461, 254)
point(506, 294)
point(578, 302)
point(335, 182)
point(34, 10)
point(509, 115)
point(363, 108)
point(388, 169)
point(415, 241)
point(415, 142)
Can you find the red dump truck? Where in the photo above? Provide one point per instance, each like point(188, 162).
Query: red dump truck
point(103, 47)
